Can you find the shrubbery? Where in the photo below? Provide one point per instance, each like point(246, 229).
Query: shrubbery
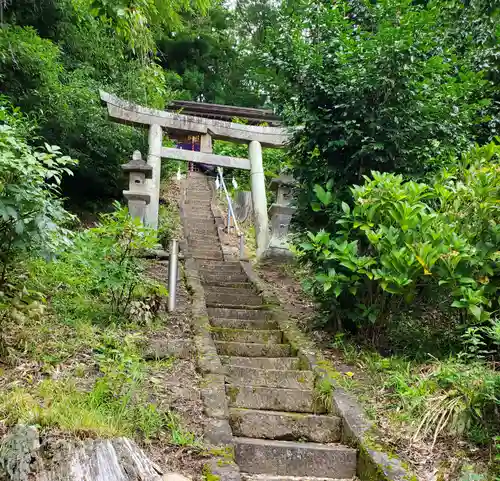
point(404, 241)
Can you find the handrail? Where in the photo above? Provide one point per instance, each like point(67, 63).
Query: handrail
point(230, 213)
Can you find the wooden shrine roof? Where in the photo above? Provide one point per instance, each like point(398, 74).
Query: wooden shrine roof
point(225, 112)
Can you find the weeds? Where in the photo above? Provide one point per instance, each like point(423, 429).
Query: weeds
point(115, 405)
point(439, 398)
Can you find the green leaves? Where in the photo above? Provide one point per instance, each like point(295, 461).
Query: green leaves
point(402, 237)
point(31, 212)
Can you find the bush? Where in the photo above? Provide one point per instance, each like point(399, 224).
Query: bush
point(404, 241)
point(98, 273)
point(31, 212)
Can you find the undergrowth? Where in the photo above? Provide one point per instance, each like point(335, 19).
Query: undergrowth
point(446, 400)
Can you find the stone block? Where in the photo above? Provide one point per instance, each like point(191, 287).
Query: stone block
point(221, 267)
point(290, 458)
point(270, 377)
point(213, 395)
point(271, 398)
point(232, 299)
point(260, 336)
point(255, 324)
point(263, 362)
point(212, 277)
point(285, 425)
point(246, 314)
point(249, 349)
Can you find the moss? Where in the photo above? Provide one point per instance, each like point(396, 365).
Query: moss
point(208, 475)
point(232, 392)
point(298, 416)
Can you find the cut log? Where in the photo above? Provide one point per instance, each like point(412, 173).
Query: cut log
point(243, 207)
point(22, 458)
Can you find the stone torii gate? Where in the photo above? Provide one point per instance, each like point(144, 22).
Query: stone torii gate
point(173, 123)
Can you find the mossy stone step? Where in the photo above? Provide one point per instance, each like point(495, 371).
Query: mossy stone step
point(263, 362)
point(252, 349)
point(197, 254)
point(254, 324)
point(252, 423)
point(251, 376)
point(232, 291)
point(213, 277)
point(272, 399)
point(221, 267)
point(290, 458)
point(246, 314)
point(210, 251)
point(214, 297)
point(237, 285)
point(260, 336)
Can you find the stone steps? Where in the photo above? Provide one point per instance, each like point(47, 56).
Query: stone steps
point(285, 426)
point(252, 376)
point(291, 458)
point(244, 314)
point(255, 324)
point(212, 256)
point(252, 349)
point(232, 291)
point(283, 363)
point(280, 430)
point(272, 399)
point(208, 251)
point(261, 336)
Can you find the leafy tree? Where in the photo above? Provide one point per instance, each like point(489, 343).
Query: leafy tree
point(377, 86)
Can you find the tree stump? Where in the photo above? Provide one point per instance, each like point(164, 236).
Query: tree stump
point(243, 207)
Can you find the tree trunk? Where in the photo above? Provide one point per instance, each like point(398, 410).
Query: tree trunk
point(243, 207)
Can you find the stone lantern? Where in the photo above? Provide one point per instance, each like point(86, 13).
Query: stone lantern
point(137, 196)
point(281, 213)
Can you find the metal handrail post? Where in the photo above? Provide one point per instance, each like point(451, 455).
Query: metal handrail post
point(230, 214)
point(172, 274)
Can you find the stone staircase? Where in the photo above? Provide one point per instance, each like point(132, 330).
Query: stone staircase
point(281, 432)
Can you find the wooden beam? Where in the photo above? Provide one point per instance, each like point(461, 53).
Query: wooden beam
point(205, 158)
point(226, 112)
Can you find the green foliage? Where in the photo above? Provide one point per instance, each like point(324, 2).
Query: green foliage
point(31, 212)
point(376, 86)
point(403, 240)
point(98, 270)
point(274, 161)
point(441, 398)
point(116, 405)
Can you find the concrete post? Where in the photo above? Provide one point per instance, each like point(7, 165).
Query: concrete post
point(206, 143)
point(259, 197)
point(155, 139)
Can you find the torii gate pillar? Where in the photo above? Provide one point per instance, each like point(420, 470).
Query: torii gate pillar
point(155, 139)
point(259, 197)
